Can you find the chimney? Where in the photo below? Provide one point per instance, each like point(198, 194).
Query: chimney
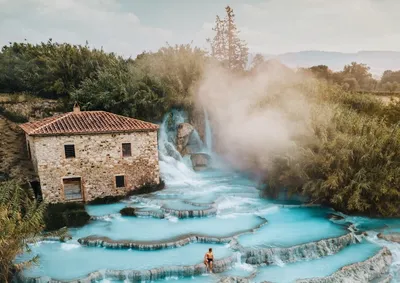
point(77, 109)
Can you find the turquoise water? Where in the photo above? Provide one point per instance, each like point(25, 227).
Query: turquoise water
point(78, 260)
point(291, 226)
point(238, 210)
point(152, 229)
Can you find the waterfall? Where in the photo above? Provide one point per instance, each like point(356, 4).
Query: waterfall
point(174, 168)
point(208, 133)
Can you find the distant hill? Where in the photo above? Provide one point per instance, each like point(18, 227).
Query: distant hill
point(378, 61)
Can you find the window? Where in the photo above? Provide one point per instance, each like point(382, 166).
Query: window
point(69, 150)
point(126, 150)
point(120, 181)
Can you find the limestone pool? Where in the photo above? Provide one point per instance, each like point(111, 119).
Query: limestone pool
point(253, 238)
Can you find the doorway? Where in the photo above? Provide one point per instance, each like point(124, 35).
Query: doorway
point(72, 188)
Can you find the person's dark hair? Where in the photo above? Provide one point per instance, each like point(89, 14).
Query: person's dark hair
point(210, 249)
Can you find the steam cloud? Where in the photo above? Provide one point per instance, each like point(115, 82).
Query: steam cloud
point(255, 117)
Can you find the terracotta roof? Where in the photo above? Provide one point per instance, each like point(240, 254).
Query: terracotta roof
point(86, 122)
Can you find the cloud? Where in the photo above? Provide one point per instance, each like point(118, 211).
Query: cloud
point(104, 23)
point(270, 26)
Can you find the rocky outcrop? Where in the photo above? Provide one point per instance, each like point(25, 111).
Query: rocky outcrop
point(392, 237)
point(200, 161)
point(361, 272)
point(307, 251)
point(182, 137)
point(128, 211)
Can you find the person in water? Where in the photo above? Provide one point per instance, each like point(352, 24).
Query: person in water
point(208, 259)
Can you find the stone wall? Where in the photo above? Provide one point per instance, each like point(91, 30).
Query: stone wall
point(98, 159)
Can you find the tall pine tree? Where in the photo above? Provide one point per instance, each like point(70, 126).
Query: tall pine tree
point(226, 46)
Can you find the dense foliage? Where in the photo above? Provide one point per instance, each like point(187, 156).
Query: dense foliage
point(21, 218)
point(352, 162)
point(49, 69)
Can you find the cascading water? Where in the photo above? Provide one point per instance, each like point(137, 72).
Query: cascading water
point(173, 228)
point(208, 133)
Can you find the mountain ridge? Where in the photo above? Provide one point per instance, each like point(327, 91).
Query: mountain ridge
point(378, 61)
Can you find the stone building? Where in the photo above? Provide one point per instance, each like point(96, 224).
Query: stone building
point(84, 155)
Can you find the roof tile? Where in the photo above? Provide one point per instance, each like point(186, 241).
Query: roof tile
point(86, 122)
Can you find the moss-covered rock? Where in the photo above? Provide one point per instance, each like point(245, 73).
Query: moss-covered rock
point(128, 211)
point(65, 215)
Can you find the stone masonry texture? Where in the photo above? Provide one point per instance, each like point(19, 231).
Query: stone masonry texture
point(98, 159)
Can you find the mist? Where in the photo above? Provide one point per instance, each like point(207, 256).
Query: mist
point(258, 116)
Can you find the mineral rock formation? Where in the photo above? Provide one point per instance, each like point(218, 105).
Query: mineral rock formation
point(393, 237)
point(183, 136)
point(373, 268)
point(200, 161)
point(307, 251)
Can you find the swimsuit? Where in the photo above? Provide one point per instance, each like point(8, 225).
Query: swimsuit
point(209, 259)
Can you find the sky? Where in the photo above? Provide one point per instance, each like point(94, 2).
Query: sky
point(129, 27)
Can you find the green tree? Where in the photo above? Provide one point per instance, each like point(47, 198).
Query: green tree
point(226, 46)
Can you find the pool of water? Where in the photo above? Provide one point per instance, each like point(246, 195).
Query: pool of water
point(293, 226)
point(152, 229)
